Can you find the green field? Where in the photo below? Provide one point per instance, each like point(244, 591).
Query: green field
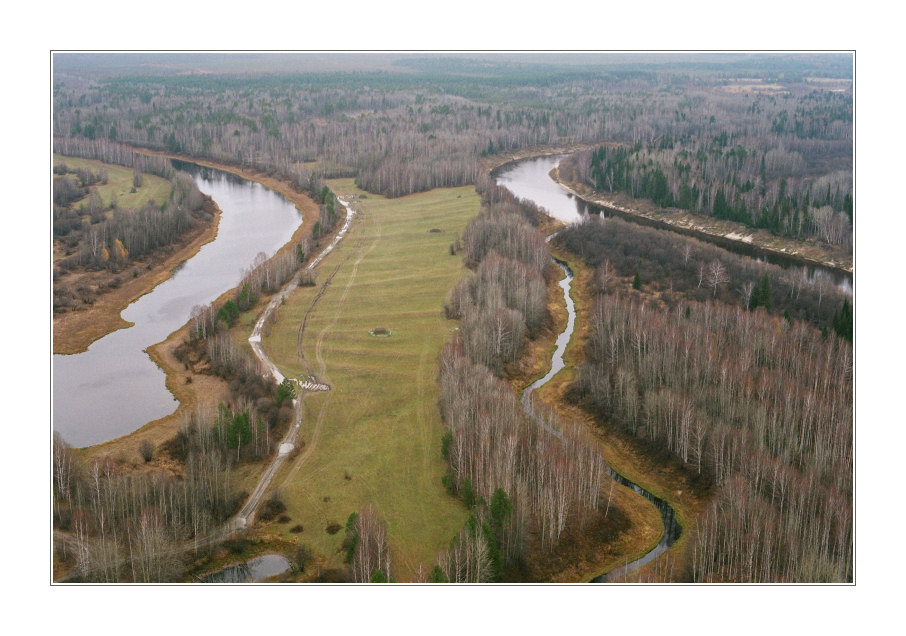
point(376, 435)
point(119, 183)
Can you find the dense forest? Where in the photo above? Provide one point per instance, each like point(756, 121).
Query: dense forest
point(739, 370)
point(782, 162)
point(680, 268)
point(529, 477)
point(706, 360)
point(766, 131)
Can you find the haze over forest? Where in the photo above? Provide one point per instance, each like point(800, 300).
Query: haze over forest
point(368, 425)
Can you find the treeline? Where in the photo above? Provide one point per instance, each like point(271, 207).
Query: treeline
point(98, 235)
point(264, 276)
point(762, 407)
point(406, 132)
point(114, 153)
point(546, 474)
point(328, 210)
point(211, 349)
point(136, 526)
point(759, 186)
point(503, 302)
point(678, 268)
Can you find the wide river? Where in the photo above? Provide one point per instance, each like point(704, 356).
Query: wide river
point(114, 388)
point(529, 179)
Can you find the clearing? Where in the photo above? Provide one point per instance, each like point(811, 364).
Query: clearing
point(376, 435)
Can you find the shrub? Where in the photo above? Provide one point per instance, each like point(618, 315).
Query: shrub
point(272, 507)
point(146, 450)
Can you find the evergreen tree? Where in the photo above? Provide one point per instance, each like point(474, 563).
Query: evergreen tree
point(842, 322)
point(468, 493)
point(761, 295)
point(501, 508)
point(286, 390)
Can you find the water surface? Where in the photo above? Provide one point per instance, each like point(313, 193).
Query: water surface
point(530, 179)
point(258, 569)
point(114, 388)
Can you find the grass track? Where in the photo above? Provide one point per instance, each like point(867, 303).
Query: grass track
point(380, 423)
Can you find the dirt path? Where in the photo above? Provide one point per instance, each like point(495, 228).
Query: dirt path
point(246, 515)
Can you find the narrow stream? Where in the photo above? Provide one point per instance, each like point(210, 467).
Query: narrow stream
point(562, 339)
point(525, 184)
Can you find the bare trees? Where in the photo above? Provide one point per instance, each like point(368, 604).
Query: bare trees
point(132, 527)
point(371, 552)
point(99, 235)
point(766, 412)
point(716, 275)
point(505, 301)
point(683, 267)
point(549, 470)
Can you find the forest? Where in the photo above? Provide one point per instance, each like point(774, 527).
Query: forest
point(678, 268)
point(714, 128)
point(745, 377)
point(94, 235)
point(544, 473)
point(739, 371)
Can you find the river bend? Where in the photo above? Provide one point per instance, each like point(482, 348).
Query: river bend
point(114, 387)
point(530, 180)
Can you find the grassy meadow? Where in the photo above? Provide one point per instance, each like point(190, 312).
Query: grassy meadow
point(376, 435)
point(119, 183)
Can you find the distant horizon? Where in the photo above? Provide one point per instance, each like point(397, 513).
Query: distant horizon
point(178, 62)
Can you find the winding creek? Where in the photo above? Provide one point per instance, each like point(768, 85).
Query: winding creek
point(114, 388)
point(529, 180)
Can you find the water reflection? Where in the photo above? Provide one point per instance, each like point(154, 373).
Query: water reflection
point(114, 388)
point(531, 180)
point(258, 569)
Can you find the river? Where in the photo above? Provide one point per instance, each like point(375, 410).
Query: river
point(530, 179)
point(114, 387)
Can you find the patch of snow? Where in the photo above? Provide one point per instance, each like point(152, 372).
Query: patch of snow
point(733, 236)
